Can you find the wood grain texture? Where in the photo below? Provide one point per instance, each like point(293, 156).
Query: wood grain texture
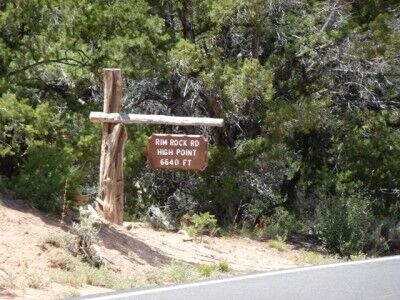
point(111, 182)
point(101, 117)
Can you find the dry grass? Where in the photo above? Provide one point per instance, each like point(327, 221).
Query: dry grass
point(8, 281)
point(359, 256)
point(56, 240)
point(51, 239)
point(70, 294)
point(63, 261)
point(75, 273)
point(277, 244)
point(316, 258)
point(37, 281)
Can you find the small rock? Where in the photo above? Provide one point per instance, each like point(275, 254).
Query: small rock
point(159, 219)
point(128, 226)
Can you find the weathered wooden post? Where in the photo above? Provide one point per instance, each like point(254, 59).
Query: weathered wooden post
point(110, 201)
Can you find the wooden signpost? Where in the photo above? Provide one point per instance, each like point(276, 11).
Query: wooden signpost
point(176, 152)
point(110, 202)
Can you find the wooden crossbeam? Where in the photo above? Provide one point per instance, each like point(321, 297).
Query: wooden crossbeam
point(102, 117)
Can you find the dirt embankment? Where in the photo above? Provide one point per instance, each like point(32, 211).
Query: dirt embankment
point(28, 261)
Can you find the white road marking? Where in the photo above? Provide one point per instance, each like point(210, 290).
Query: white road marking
point(252, 276)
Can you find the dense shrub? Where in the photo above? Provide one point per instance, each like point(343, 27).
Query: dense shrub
point(346, 223)
point(44, 177)
point(281, 224)
point(22, 127)
point(199, 224)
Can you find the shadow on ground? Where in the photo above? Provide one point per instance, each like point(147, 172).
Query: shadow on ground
point(5, 295)
point(306, 242)
point(112, 238)
point(125, 243)
point(24, 206)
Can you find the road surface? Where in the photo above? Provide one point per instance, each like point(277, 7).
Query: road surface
point(370, 279)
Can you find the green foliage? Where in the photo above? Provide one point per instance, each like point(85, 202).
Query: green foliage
point(70, 40)
point(371, 153)
point(23, 126)
point(186, 57)
point(251, 81)
point(345, 223)
point(78, 274)
point(280, 224)
point(278, 244)
point(317, 258)
point(206, 270)
point(222, 194)
point(201, 223)
point(223, 266)
point(138, 197)
point(44, 175)
point(180, 273)
point(309, 99)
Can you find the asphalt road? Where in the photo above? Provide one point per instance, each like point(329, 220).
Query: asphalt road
point(370, 279)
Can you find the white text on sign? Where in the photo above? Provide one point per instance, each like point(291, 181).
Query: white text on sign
point(177, 143)
point(173, 151)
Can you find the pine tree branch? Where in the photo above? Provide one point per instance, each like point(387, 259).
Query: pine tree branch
point(65, 61)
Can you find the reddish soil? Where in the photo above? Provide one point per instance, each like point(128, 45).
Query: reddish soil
point(23, 257)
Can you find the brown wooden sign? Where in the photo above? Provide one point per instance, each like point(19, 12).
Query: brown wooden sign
point(177, 152)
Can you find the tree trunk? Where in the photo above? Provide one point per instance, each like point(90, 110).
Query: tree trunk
point(184, 16)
